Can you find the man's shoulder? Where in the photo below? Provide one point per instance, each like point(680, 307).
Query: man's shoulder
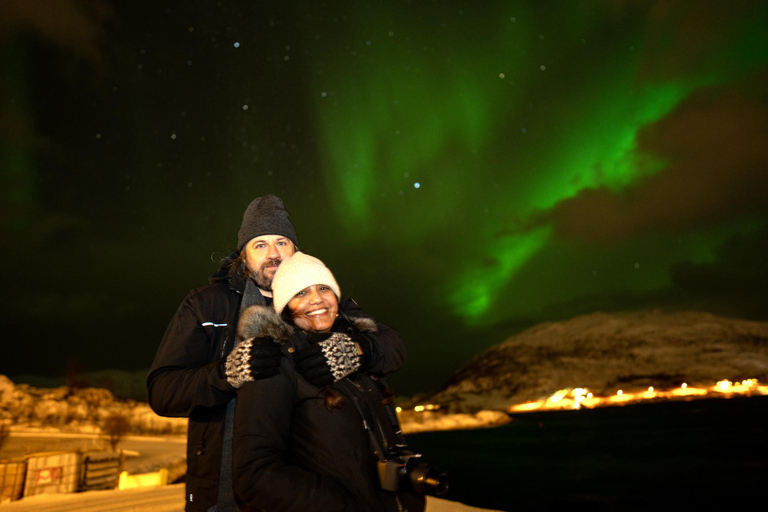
point(209, 292)
point(351, 308)
point(348, 302)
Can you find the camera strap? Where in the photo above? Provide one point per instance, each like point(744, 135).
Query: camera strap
point(395, 422)
point(380, 453)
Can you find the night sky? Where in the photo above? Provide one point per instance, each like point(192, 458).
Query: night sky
point(467, 169)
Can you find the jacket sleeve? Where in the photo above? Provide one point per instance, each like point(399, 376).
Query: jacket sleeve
point(263, 479)
point(388, 346)
point(186, 375)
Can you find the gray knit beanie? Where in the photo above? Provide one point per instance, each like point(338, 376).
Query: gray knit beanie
point(265, 216)
point(296, 273)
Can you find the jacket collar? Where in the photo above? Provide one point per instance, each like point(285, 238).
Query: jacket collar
point(236, 280)
point(237, 283)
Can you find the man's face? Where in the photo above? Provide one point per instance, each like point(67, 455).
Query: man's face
point(262, 256)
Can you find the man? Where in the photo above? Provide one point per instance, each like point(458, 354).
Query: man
point(196, 371)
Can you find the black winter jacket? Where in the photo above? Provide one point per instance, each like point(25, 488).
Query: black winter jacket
point(186, 379)
point(294, 454)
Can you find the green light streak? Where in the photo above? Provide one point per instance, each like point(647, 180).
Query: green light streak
point(599, 147)
point(602, 154)
point(17, 179)
point(391, 113)
point(478, 287)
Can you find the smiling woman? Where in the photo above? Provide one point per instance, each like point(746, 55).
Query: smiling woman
point(314, 308)
point(311, 437)
point(311, 306)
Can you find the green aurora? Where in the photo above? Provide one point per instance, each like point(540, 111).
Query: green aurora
point(514, 112)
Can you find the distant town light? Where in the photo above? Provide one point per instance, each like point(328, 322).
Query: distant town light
point(561, 398)
point(723, 385)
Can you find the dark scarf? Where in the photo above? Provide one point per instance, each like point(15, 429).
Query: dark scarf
point(226, 499)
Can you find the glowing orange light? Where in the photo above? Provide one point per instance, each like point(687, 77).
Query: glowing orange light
point(576, 398)
point(723, 385)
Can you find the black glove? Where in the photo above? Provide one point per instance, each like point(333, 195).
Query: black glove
point(366, 347)
point(257, 358)
point(332, 357)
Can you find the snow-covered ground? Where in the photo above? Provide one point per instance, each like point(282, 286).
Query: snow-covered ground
point(168, 498)
point(149, 454)
point(144, 453)
point(412, 422)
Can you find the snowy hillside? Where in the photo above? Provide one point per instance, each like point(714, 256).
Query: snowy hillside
point(606, 352)
point(78, 409)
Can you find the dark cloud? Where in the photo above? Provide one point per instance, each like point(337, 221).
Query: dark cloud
point(72, 25)
point(53, 306)
point(40, 230)
point(20, 130)
point(681, 39)
point(51, 226)
point(716, 159)
point(732, 284)
point(739, 269)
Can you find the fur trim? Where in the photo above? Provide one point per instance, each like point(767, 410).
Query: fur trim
point(262, 321)
point(364, 324)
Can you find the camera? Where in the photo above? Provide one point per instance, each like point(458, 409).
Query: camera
point(402, 470)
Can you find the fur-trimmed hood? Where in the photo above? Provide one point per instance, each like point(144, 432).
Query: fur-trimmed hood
point(262, 321)
point(362, 323)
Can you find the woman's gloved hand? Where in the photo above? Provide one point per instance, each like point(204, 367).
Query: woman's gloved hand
point(331, 357)
point(257, 358)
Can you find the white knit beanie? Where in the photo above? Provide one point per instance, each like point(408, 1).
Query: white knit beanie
point(296, 273)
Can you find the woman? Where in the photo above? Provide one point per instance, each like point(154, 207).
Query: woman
point(304, 448)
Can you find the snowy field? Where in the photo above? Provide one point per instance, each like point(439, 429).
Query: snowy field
point(169, 498)
point(147, 454)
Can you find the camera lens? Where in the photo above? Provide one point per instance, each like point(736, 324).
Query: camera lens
point(429, 480)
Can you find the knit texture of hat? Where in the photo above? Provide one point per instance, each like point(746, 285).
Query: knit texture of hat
point(265, 216)
point(296, 273)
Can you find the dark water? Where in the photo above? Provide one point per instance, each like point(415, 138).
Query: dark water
point(695, 455)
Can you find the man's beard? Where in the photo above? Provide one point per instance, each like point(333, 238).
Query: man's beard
point(260, 276)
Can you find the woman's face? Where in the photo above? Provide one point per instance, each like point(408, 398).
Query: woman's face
point(314, 308)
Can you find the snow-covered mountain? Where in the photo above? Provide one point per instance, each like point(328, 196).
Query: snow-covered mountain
point(605, 352)
point(78, 409)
